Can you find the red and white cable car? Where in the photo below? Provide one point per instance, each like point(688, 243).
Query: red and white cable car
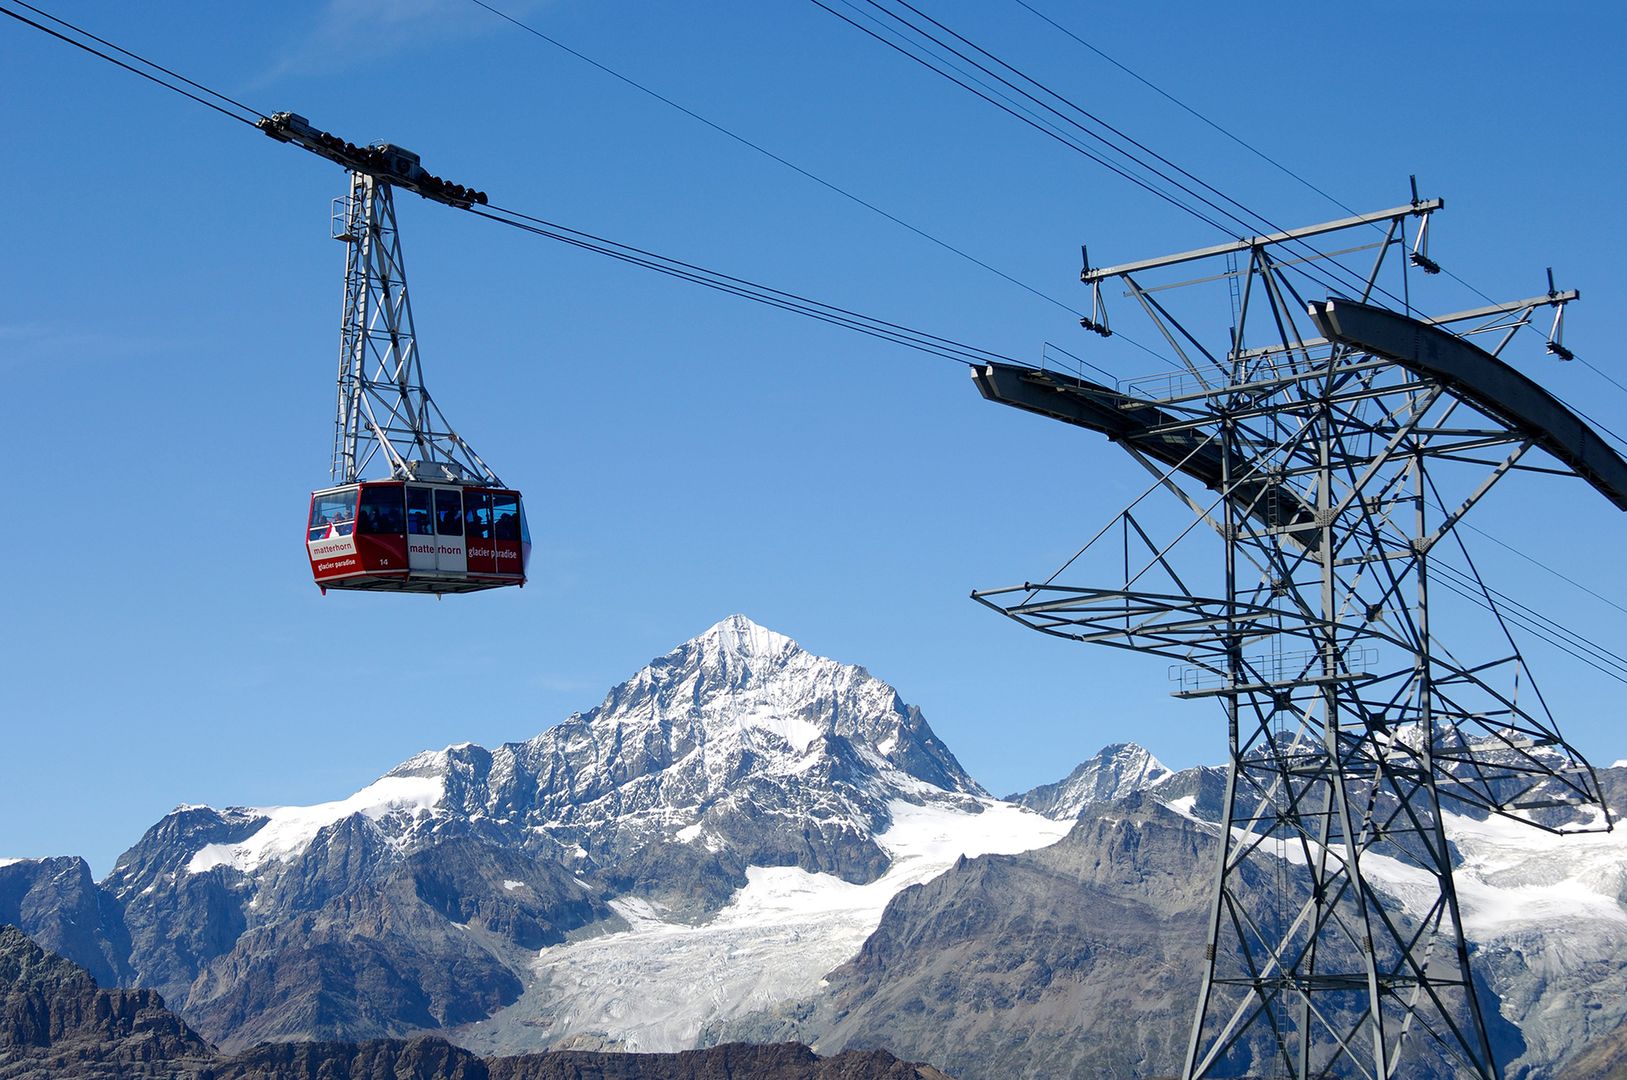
point(439, 521)
point(394, 536)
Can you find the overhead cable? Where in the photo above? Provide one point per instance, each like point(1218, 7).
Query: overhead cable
point(1310, 270)
point(794, 167)
point(771, 155)
point(1160, 91)
point(1542, 565)
point(1470, 587)
point(1027, 119)
point(880, 329)
point(1262, 155)
point(919, 340)
point(148, 74)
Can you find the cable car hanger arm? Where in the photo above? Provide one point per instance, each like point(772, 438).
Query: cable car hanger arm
point(387, 162)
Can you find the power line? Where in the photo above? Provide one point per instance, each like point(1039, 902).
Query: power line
point(1304, 268)
point(1004, 103)
point(1275, 163)
point(919, 340)
point(1029, 120)
point(1262, 155)
point(881, 329)
point(793, 166)
point(1607, 378)
point(1552, 631)
point(1137, 158)
point(801, 171)
point(134, 56)
point(1077, 108)
point(1477, 594)
point(1534, 561)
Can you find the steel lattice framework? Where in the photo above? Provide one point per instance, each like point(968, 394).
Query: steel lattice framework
point(1333, 462)
point(383, 409)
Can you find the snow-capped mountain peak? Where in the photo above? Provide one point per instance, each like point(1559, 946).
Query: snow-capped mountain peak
point(736, 758)
point(1115, 771)
point(741, 685)
point(738, 743)
point(737, 637)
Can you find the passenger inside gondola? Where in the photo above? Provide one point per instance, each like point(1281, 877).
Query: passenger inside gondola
point(448, 513)
point(381, 510)
point(507, 526)
point(419, 520)
point(333, 515)
point(477, 514)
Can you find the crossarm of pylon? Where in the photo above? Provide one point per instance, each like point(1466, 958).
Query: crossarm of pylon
point(1158, 622)
point(1493, 386)
point(1130, 420)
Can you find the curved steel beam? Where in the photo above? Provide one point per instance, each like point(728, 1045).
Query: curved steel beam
point(1484, 381)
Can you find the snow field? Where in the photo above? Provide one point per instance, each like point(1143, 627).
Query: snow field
point(655, 984)
point(289, 830)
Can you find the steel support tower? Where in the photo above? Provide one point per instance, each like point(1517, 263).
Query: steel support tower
point(1333, 447)
point(383, 409)
point(384, 415)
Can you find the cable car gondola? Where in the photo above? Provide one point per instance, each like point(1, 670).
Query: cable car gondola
point(394, 536)
point(440, 521)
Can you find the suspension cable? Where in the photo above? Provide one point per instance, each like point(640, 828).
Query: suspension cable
point(881, 329)
point(919, 340)
point(1027, 119)
point(135, 70)
point(1160, 91)
point(772, 156)
point(1256, 151)
point(1309, 269)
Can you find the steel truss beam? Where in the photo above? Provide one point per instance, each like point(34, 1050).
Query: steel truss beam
point(1332, 470)
point(385, 416)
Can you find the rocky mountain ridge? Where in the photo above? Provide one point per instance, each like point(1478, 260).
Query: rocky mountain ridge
point(55, 1023)
point(1115, 771)
point(966, 971)
point(421, 902)
point(744, 841)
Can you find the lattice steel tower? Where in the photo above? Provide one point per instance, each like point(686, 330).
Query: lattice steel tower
point(383, 409)
point(384, 416)
point(1333, 447)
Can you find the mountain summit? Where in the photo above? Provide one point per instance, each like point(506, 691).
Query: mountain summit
point(1117, 770)
point(737, 748)
point(744, 840)
point(736, 755)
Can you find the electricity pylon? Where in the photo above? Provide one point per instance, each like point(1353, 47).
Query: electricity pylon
point(1334, 459)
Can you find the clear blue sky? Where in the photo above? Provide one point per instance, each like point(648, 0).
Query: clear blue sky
point(169, 304)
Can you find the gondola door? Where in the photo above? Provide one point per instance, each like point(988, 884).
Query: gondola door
point(420, 528)
point(450, 554)
point(477, 531)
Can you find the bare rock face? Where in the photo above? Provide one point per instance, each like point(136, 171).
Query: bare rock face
point(417, 904)
point(180, 921)
point(61, 907)
point(423, 1058)
point(1076, 960)
point(428, 941)
point(56, 1022)
point(1604, 1059)
point(1072, 960)
point(1115, 771)
point(782, 1061)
